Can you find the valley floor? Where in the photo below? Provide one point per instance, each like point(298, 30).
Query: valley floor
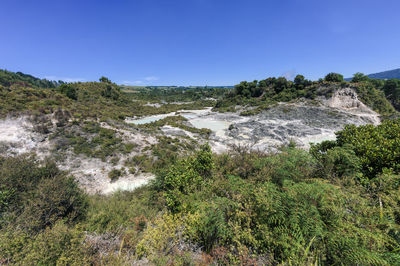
point(302, 123)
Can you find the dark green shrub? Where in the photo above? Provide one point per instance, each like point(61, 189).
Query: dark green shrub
point(104, 79)
point(54, 199)
point(35, 196)
point(359, 77)
point(337, 161)
point(334, 77)
point(68, 90)
point(291, 164)
point(377, 149)
point(114, 174)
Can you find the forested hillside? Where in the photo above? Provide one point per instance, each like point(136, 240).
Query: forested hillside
point(265, 93)
point(390, 74)
point(8, 78)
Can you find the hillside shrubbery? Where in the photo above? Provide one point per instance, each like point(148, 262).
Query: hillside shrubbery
point(8, 78)
point(390, 87)
point(87, 100)
point(39, 205)
point(265, 93)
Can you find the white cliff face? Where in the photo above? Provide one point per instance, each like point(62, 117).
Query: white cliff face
point(16, 133)
point(347, 100)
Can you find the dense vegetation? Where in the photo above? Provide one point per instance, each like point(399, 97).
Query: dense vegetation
point(176, 94)
point(391, 88)
point(8, 78)
point(90, 99)
point(264, 93)
point(338, 204)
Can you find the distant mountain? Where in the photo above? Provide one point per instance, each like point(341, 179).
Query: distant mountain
point(390, 74)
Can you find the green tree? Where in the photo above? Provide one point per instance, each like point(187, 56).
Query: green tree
point(281, 83)
point(299, 80)
point(359, 77)
point(35, 197)
point(104, 79)
point(334, 77)
point(390, 86)
point(185, 177)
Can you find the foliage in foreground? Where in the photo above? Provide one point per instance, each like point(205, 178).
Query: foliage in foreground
point(277, 209)
point(291, 208)
point(373, 149)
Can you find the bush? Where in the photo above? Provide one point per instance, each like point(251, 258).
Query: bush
point(121, 210)
point(337, 161)
point(296, 221)
point(60, 245)
point(378, 147)
point(114, 174)
point(291, 164)
point(68, 90)
point(359, 77)
point(185, 176)
point(34, 197)
point(54, 199)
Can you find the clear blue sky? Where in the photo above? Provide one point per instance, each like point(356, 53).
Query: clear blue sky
point(198, 42)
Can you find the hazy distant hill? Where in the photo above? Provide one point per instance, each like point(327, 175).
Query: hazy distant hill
point(390, 74)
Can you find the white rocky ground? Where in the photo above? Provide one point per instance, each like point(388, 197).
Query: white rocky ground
point(92, 175)
point(301, 122)
point(17, 136)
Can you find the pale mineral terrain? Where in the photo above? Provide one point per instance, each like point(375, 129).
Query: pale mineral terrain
point(302, 122)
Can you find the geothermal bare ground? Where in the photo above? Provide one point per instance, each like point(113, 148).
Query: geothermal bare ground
point(302, 122)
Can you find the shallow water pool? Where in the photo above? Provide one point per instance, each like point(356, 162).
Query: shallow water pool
point(213, 125)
